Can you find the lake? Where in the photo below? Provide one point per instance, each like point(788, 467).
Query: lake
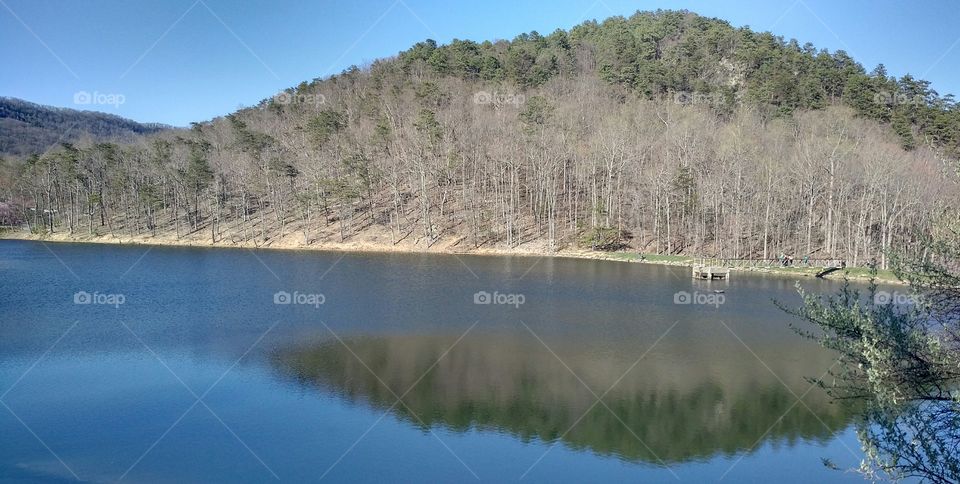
point(161, 364)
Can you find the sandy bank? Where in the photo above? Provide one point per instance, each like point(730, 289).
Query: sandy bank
point(375, 244)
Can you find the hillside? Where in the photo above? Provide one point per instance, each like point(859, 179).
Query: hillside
point(665, 132)
point(27, 128)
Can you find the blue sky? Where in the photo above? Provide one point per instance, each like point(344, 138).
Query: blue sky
point(177, 61)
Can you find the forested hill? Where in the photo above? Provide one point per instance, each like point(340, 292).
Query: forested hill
point(689, 58)
point(665, 131)
point(27, 128)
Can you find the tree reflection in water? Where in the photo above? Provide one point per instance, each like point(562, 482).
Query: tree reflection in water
point(504, 384)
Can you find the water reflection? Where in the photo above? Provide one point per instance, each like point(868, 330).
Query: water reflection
point(511, 384)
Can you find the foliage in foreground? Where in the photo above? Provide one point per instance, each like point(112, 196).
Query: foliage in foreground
point(900, 353)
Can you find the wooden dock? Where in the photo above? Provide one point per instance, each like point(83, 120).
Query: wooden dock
point(710, 272)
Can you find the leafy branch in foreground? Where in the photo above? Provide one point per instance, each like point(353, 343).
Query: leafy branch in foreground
point(899, 353)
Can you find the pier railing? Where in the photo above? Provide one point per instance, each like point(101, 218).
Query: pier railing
point(772, 262)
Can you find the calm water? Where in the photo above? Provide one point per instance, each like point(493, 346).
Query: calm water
point(184, 369)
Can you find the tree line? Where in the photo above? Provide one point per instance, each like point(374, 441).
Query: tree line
point(28, 128)
point(665, 132)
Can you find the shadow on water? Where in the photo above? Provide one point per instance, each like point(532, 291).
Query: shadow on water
point(502, 384)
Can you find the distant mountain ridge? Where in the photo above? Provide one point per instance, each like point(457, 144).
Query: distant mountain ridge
point(27, 127)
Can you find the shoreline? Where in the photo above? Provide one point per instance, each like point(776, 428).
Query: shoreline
point(388, 248)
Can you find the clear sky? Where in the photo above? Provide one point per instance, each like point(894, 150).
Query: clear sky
point(177, 61)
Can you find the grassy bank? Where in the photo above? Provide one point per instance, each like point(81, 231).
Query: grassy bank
point(853, 273)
